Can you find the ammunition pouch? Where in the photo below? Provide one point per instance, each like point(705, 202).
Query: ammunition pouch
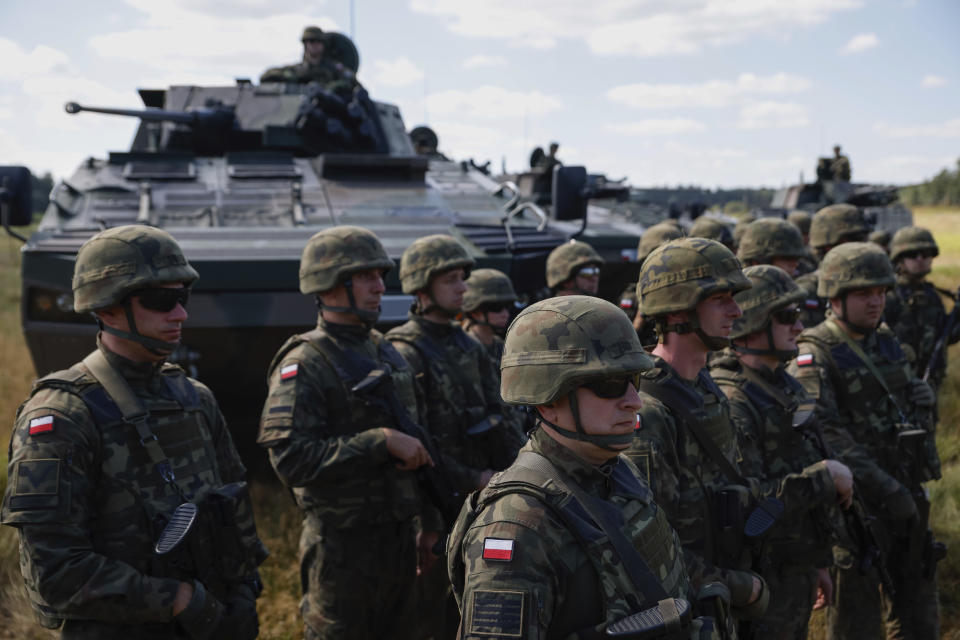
point(913, 456)
point(213, 541)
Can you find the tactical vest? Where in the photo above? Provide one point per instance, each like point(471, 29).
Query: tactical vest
point(654, 538)
point(132, 500)
point(916, 315)
point(385, 494)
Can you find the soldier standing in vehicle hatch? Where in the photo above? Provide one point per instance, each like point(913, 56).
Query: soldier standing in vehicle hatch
point(103, 453)
point(343, 453)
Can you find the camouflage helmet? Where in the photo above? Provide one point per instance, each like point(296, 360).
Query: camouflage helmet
point(854, 265)
point(772, 289)
point(654, 236)
point(707, 227)
point(557, 344)
point(121, 260)
point(769, 238)
point(565, 260)
point(741, 226)
point(837, 223)
point(312, 33)
point(487, 285)
point(681, 273)
point(800, 218)
point(429, 256)
point(336, 252)
point(910, 239)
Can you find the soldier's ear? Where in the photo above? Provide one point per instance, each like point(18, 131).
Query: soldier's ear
point(112, 316)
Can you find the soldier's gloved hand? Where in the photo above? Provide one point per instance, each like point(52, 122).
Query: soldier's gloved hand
point(202, 615)
point(900, 505)
point(922, 393)
point(842, 481)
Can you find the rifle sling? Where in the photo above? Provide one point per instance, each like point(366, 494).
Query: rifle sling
point(675, 403)
point(640, 574)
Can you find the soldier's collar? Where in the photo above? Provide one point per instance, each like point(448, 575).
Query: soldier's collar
point(434, 328)
point(133, 371)
point(340, 330)
point(588, 476)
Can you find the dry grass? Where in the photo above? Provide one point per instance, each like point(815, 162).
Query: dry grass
point(279, 521)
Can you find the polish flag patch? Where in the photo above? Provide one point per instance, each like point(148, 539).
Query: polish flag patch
point(626, 303)
point(497, 549)
point(289, 371)
point(805, 360)
point(811, 303)
point(41, 425)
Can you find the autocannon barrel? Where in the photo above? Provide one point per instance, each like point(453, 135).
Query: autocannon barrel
point(149, 114)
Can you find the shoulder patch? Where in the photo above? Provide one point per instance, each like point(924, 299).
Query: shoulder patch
point(805, 360)
point(497, 549)
point(626, 303)
point(497, 613)
point(811, 303)
point(289, 371)
point(43, 424)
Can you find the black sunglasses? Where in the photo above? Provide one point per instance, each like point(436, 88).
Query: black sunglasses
point(613, 387)
point(919, 253)
point(162, 298)
point(494, 307)
point(786, 316)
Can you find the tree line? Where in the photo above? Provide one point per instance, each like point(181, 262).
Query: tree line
point(941, 190)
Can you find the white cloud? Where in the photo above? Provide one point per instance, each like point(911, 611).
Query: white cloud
point(700, 151)
point(714, 93)
point(657, 127)
point(481, 61)
point(400, 72)
point(620, 27)
point(19, 63)
point(861, 42)
point(931, 81)
point(948, 129)
point(772, 115)
point(489, 102)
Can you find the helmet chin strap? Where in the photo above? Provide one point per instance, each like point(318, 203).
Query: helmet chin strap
point(433, 306)
point(781, 354)
point(606, 442)
point(367, 318)
point(153, 345)
point(484, 323)
point(692, 325)
point(864, 331)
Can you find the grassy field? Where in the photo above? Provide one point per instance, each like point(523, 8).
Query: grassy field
point(278, 519)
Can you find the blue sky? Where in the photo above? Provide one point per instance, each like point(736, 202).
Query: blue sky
point(664, 92)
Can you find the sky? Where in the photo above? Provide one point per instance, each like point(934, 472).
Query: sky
point(715, 93)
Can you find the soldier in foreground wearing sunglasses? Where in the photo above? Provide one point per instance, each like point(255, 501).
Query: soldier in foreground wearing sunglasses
point(103, 453)
point(568, 539)
point(767, 405)
point(914, 308)
point(686, 445)
point(574, 269)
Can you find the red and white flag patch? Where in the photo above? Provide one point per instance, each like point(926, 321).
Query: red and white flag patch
point(497, 549)
point(812, 303)
point(626, 303)
point(41, 425)
point(289, 371)
point(805, 360)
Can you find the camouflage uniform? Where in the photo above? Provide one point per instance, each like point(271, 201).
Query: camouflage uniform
point(763, 404)
point(865, 426)
point(459, 385)
point(332, 74)
point(831, 225)
point(325, 441)
point(915, 310)
point(681, 472)
point(87, 496)
point(551, 580)
point(802, 219)
point(652, 238)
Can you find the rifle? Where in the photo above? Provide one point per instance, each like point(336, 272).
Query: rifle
point(377, 387)
point(942, 339)
point(861, 525)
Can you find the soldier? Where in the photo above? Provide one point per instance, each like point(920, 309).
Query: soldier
point(686, 444)
point(881, 238)
point(104, 453)
point(840, 165)
point(463, 403)
point(831, 226)
point(573, 268)
point(707, 227)
point(529, 557)
point(914, 309)
point(765, 404)
point(343, 450)
point(802, 219)
point(425, 142)
point(876, 415)
point(772, 241)
point(317, 65)
point(652, 238)
point(740, 227)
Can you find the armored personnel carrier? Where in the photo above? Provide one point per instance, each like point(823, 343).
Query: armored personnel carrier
point(242, 176)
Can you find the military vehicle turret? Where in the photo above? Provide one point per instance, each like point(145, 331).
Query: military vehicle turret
point(242, 176)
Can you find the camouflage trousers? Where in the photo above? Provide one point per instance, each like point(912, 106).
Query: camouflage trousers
point(792, 593)
point(358, 582)
point(100, 630)
point(438, 617)
point(861, 609)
